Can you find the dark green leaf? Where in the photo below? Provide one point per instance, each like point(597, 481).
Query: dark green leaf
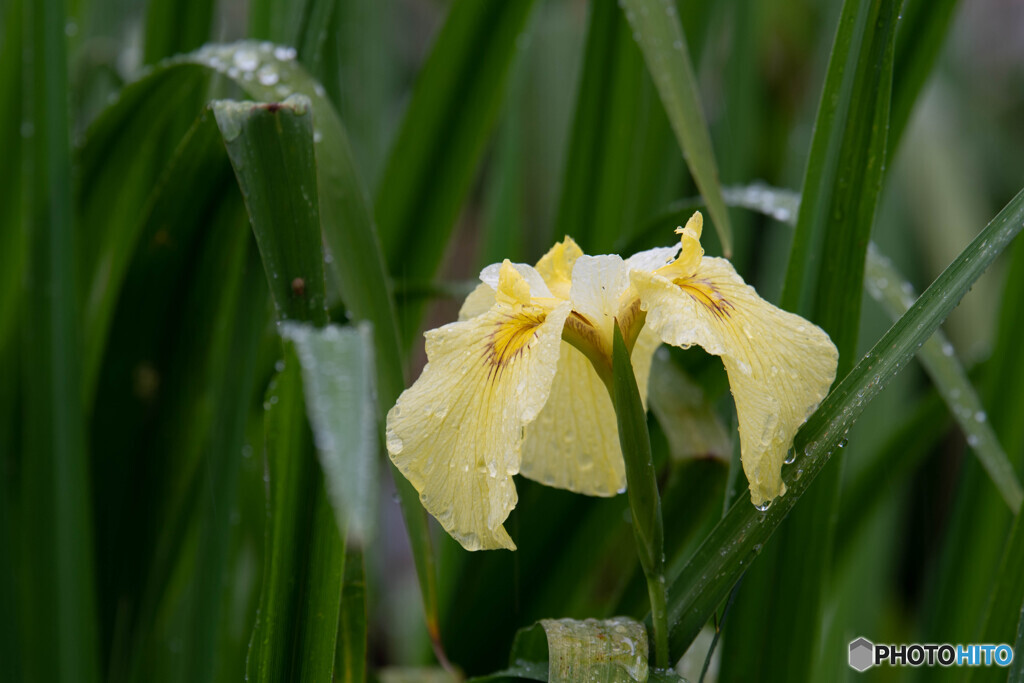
point(446, 125)
point(824, 283)
point(173, 27)
point(613, 164)
point(271, 149)
point(297, 628)
point(59, 581)
point(351, 656)
point(660, 35)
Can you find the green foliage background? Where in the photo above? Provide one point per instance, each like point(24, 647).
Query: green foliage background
point(172, 510)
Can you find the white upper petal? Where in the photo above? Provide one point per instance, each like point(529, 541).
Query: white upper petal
point(598, 284)
point(652, 259)
point(538, 289)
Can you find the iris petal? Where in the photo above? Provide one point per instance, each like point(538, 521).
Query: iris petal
point(457, 433)
point(780, 366)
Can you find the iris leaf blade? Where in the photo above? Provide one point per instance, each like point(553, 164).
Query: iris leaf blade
point(663, 43)
point(449, 118)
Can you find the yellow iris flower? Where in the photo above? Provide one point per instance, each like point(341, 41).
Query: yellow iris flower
point(518, 384)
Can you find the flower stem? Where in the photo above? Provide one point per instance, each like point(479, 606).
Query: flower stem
point(642, 487)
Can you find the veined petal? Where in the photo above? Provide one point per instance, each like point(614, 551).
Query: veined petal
point(457, 433)
point(574, 443)
point(780, 366)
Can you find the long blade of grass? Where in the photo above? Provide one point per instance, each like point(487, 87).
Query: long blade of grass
point(355, 263)
point(13, 226)
point(824, 283)
point(663, 43)
point(351, 662)
point(296, 630)
point(607, 161)
point(739, 537)
point(434, 158)
point(60, 599)
point(271, 150)
point(1003, 615)
point(924, 25)
point(885, 284)
point(173, 27)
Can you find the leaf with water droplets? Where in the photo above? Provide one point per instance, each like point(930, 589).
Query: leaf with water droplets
point(337, 366)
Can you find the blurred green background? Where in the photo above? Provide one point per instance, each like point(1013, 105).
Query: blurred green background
point(138, 346)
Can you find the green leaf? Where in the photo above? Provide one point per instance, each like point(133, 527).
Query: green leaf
point(337, 365)
point(271, 149)
point(642, 488)
point(610, 163)
point(13, 206)
point(739, 537)
point(1017, 668)
point(434, 158)
point(660, 35)
point(297, 628)
point(886, 285)
point(1003, 618)
point(58, 585)
point(824, 283)
point(844, 176)
point(173, 27)
point(924, 25)
point(351, 656)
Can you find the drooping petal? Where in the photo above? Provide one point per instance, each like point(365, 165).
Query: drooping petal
point(457, 433)
point(574, 442)
point(780, 366)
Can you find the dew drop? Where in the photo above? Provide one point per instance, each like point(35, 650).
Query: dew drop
point(790, 456)
point(395, 444)
point(284, 53)
point(246, 59)
point(267, 75)
point(279, 366)
point(763, 507)
point(842, 444)
point(980, 416)
point(973, 440)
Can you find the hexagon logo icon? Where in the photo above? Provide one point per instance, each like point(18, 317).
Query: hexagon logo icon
point(862, 654)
